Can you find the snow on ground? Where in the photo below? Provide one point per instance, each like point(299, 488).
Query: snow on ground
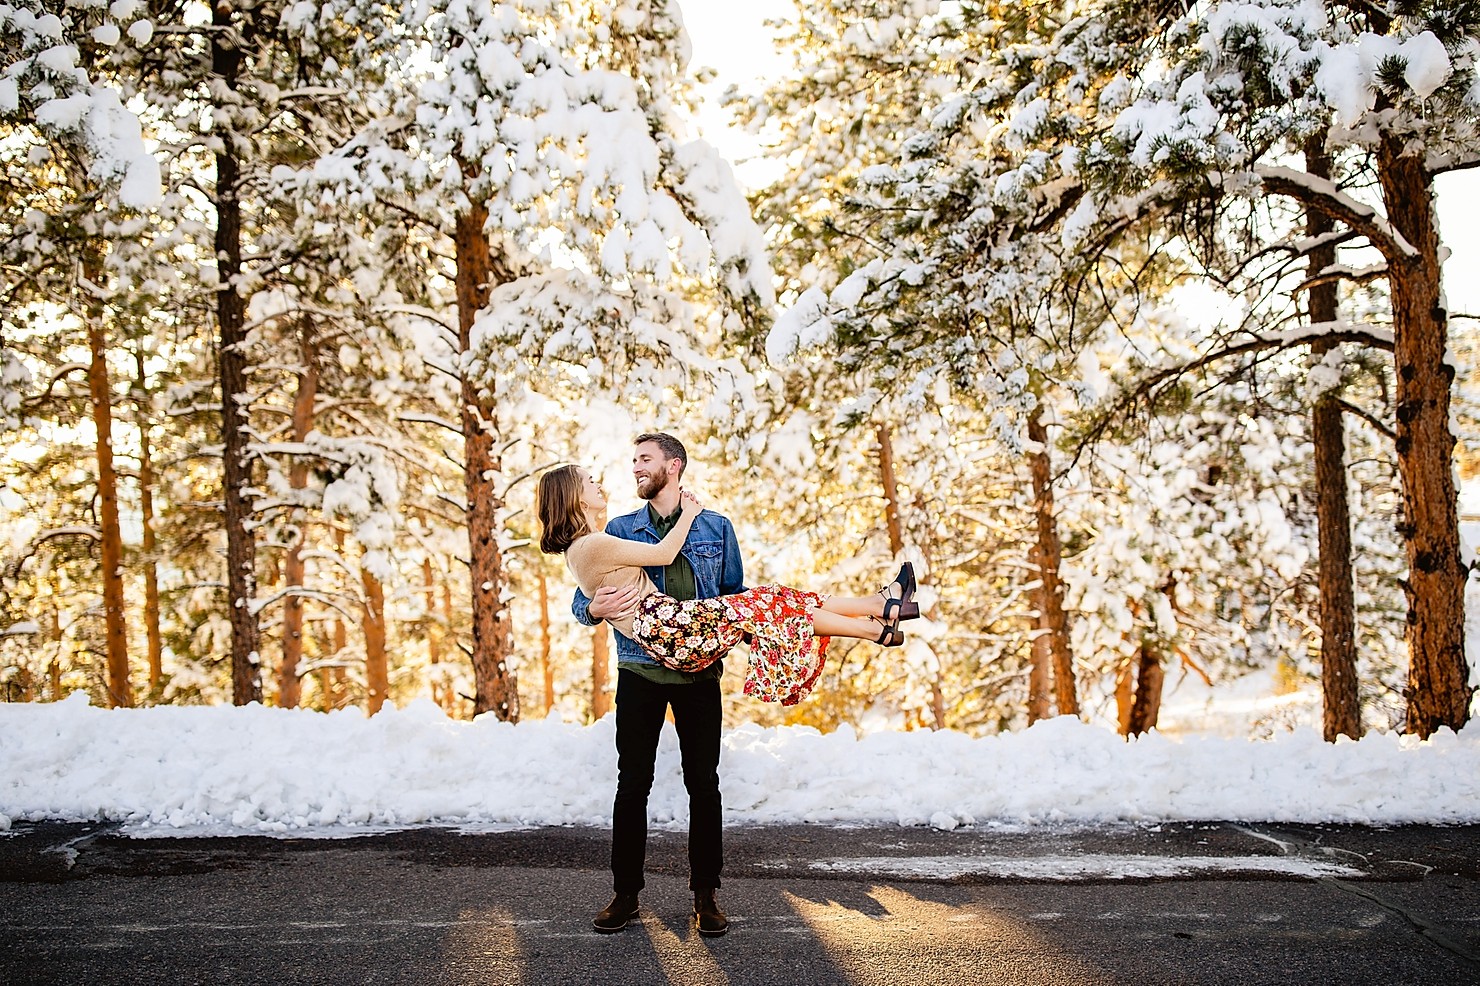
point(1088, 866)
point(222, 769)
point(1253, 705)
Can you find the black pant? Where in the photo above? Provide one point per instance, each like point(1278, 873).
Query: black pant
point(641, 705)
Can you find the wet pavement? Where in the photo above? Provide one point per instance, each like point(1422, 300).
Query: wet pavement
point(1215, 902)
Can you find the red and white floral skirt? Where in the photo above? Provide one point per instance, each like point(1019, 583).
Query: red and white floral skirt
point(786, 657)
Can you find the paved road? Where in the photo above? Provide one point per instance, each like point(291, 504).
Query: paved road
point(1204, 903)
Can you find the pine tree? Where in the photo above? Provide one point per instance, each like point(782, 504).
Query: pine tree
point(1365, 84)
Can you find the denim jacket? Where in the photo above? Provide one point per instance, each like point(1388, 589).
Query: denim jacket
point(711, 550)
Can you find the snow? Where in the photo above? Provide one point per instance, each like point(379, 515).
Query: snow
point(1090, 866)
point(114, 137)
point(803, 324)
point(1347, 75)
point(1325, 375)
point(1426, 63)
point(1155, 127)
point(224, 769)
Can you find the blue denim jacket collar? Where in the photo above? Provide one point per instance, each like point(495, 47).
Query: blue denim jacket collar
point(643, 524)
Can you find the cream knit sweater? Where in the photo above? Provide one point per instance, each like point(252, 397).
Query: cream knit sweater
point(598, 560)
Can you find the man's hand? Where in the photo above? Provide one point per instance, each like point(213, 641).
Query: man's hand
point(611, 603)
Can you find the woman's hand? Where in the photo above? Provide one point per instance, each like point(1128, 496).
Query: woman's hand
point(689, 504)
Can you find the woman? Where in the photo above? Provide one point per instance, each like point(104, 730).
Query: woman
point(789, 628)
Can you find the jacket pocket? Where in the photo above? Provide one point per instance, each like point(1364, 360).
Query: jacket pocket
point(705, 558)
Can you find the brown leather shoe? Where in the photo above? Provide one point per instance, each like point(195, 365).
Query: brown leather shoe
point(711, 920)
point(614, 916)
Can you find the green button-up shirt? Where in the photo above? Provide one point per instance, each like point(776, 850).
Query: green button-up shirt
point(678, 577)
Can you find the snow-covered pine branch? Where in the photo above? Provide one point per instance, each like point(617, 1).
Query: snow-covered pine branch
point(43, 84)
point(1323, 195)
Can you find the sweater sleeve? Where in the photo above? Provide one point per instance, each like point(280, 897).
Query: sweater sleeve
point(619, 551)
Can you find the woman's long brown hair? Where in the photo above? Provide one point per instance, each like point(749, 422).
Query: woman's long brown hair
point(558, 504)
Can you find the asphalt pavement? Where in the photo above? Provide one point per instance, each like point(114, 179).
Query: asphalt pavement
point(1195, 903)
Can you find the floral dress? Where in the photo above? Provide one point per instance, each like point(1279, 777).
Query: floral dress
point(786, 658)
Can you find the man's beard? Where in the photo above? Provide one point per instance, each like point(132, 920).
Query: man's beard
point(651, 485)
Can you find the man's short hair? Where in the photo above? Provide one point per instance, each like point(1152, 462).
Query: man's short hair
point(671, 447)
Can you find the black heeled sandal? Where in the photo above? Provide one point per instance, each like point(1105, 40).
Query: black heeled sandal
point(891, 635)
point(902, 607)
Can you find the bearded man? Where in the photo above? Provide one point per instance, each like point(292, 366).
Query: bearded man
point(707, 565)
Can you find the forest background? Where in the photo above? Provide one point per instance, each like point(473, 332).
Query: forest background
point(1122, 321)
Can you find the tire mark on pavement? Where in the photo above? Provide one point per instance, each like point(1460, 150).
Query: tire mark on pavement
point(1427, 929)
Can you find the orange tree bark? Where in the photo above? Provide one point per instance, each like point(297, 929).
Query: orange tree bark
point(495, 687)
point(449, 690)
point(1341, 712)
point(150, 560)
point(289, 684)
point(1150, 677)
point(601, 659)
point(1438, 691)
point(891, 491)
point(1053, 622)
point(1125, 694)
point(377, 672)
point(331, 678)
point(241, 545)
point(547, 670)
point(1040, 675)
point(120, 692)
point(434, 632)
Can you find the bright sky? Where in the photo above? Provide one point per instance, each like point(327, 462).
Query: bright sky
point(733, 39)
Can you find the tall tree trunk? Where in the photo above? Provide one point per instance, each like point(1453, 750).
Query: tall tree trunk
point(1341, 712)
point(1438, 690)
point(1150, 677)
point(289, 688)
point(1047, 553)
point(449, 691)
point(495, 687)
point(1125, 694)
point(1040, 676)
point(891, 491)
point(120, 692)
point(601, 659)
point(546, 668)
point(241, 545)
point(331, 679)
point(377, 674)
point(150, 560)
point(54, 668)
point(434, 632)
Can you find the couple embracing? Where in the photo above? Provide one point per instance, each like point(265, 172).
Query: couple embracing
point(669, 579)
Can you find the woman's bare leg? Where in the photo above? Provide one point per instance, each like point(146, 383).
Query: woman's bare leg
point(827, 623)
point(855, 606)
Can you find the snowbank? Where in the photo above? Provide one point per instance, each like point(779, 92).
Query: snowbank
point(275, 770)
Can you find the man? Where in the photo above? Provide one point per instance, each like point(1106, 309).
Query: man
point(707, 565)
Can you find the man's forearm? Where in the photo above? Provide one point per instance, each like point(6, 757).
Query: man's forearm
point(580, 607)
